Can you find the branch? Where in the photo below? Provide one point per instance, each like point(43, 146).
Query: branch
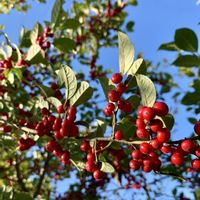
point(179, 141)
point(42, 175)
point(19, 177)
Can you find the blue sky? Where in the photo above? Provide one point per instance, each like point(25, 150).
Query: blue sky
point(155, 23)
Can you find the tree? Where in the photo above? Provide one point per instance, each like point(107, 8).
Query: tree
point(52, 120)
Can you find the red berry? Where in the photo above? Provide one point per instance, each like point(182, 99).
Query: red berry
point(110, 107)
point(44, 111)
point(85, 146)
point(163, 135)
point(90, 166)
point(148, 114)
point(136, 154)
point(113, 96)
point(145, 148)
point(108, 112)
point(116, 78)
point(166, 149)
point(51, 145)
point(72, 110)
point(60, 109)
point(195, 164)
point(157, 164)
point(119, 135)
point(142, 133)
point(140, 123)
point(127, 107)
point(197, 128)
point(177, 159)
point(134, 165)
point(197, 152)
point(161, 108)
point(140, 111)
point(58, 135)
point(188, 146)
point(121, 88)
point(155, 143)
point(65, 157)
point(97, 174)
point(156, 125)
point(91, 157)
point(120, 104)
point(146, 168)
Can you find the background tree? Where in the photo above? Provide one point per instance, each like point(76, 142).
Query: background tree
point(54, 123)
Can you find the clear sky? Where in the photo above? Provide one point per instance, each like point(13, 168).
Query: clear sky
point(155, 23)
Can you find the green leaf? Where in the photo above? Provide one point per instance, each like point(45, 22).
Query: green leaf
point(67, 76)
point(168, 121)
point(135, 67)
point(107, 167)
point(37, 30)
point(134, 100)
point(54, 101)
point(186, 39)
point(129, 26)
point(191, 98)
point(126, 52)
point(18, 73)
point(170, 46)
point(83, 94)
point(64, 44)
point(9, 50)
point(187, 61)
point(101, 128)
point(45, 90)
point(106, 85)
point(71, 24)
point(197, 194)
point(80, 165)
point(41, 103)
point(56, 12)
point(147, 90)
point(22, 196)
point(35, 55)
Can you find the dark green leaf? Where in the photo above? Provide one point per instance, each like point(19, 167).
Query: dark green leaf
point(187, 61)
point(70, 24)
point(64, 44)
point(186, 39)
point(170, 46)
point(168, 121)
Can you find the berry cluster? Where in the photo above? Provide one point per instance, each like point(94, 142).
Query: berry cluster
point(25, 144)
point(91, 165)
point(6, 64)
point(42, 40)
point(114, 97)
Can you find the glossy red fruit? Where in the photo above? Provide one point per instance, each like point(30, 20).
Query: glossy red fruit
point(136, 154)
point(85, 146)
point(71, 118)
point(58, 151)
point(97, 174)
point(197, 128)
point(142, 133)
point(65, 131)
point(58, 135)
point(51, 145)
point(121, 104)
point(148, 113)
point(140, 111)
point(134, 165)
point(44, 111)
point(57, 124)
point(72, 110)
point(108, 112)
point(156, 164)
point(90, 166)
point(177, 159)
point(65, 157)
point(146, 168)
point(188, 146)
point(121, 88)
point(140, 123)
point(110, 107)
point(127, 107)
point(156, 125)
point(155, 143)
point(161, 108)
point(166, 149)
point(119, 135)
point(60, 109)
point(163, 135)
point(197, 152)
point(116, 78)
point(145, 148)
point(5, 128)
point(113, 96)
point(91, 157)
point(195, 164)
